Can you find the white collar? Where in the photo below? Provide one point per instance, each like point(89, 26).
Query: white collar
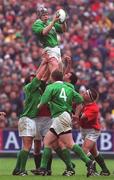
point(58, 82)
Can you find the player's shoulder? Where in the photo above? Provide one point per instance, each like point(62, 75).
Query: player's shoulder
point(38, 21)
point(94, 107)
point(69, 85)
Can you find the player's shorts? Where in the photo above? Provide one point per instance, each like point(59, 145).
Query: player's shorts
point(42, 126)
point(62, 123)
point(90, 134)
point(26, 127)
point(54, 52)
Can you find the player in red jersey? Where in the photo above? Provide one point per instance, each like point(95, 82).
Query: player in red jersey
point(89, 122)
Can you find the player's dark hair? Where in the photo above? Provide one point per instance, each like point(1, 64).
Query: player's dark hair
point(93, 94)
point(73, 78)
point(57, 75)
point(43, 85)
point(28, 79)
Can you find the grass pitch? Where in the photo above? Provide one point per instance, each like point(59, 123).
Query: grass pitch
point(7, 165)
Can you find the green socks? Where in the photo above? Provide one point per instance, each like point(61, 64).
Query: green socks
point(18, 163)
point(78, 150)
point(21, 160)
point(65, 156)
point(24, 156)
point(45, 157)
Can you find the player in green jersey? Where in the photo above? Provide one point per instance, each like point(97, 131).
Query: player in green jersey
point(60, 97)
point(46, 31)
point(27, 125)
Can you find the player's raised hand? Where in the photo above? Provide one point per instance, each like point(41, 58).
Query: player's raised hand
point(56, 18)
point(67, 58)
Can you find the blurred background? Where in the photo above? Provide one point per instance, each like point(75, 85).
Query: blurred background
point(89, 41)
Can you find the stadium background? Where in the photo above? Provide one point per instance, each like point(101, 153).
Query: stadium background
point(89, 41)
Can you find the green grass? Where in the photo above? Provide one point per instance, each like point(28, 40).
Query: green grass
point(7, 165)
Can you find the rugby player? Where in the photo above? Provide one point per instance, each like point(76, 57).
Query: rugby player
point(90, 128)
point(27, 125)
point(46, 31)
point(60, 97)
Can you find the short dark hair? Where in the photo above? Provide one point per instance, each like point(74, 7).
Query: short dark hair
point(57, 75)
point(93, 94)
point(73, 78)
point(28, 79)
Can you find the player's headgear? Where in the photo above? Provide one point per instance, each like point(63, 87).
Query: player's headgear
point(42, 11)
point(92, 94)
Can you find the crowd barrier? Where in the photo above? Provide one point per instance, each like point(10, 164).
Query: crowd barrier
point(10, 142)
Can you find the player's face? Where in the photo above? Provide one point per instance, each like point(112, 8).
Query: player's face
point(86, 96)
point(45, 17)
point(67, 77)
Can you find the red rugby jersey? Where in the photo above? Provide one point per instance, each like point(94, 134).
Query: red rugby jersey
point(91, 112)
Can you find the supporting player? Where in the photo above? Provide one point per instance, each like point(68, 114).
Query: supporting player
point(90, 128)
point(27, 122)
point(44, 113)
point(46, 31)
point(60, 97)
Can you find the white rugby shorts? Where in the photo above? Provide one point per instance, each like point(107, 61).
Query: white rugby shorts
point(26, 127)
point(90, 134)
point(62, 123)
point(54, 52)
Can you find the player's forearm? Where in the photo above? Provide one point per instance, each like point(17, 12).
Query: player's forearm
point(68, 68)
point(64, 27)
point(48, 28)
point(78, 110)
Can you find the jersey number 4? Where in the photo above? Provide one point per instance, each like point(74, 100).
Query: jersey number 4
point(63, 94)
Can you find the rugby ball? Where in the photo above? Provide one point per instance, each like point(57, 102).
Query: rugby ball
point(62, 15)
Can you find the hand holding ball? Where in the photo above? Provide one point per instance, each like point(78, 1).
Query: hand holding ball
point(62, 15)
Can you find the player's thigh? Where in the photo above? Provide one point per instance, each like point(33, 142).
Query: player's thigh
point(94, 151)
point(49, 139)
point(90, 139)
point(66, 140)
point(87, 145)
point(53, 64)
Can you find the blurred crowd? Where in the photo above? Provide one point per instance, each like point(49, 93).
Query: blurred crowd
point(89, 41)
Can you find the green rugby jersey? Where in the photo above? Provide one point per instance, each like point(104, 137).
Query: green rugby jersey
point(32, 98)
point(49, 40)
point(60, 96)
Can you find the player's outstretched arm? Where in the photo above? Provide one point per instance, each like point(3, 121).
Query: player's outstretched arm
point(68, 61)
point(42, 69)
point(64, 26)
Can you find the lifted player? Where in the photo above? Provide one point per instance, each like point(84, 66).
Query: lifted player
point(46, 31)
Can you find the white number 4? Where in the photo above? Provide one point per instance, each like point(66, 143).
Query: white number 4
point(63, 94)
